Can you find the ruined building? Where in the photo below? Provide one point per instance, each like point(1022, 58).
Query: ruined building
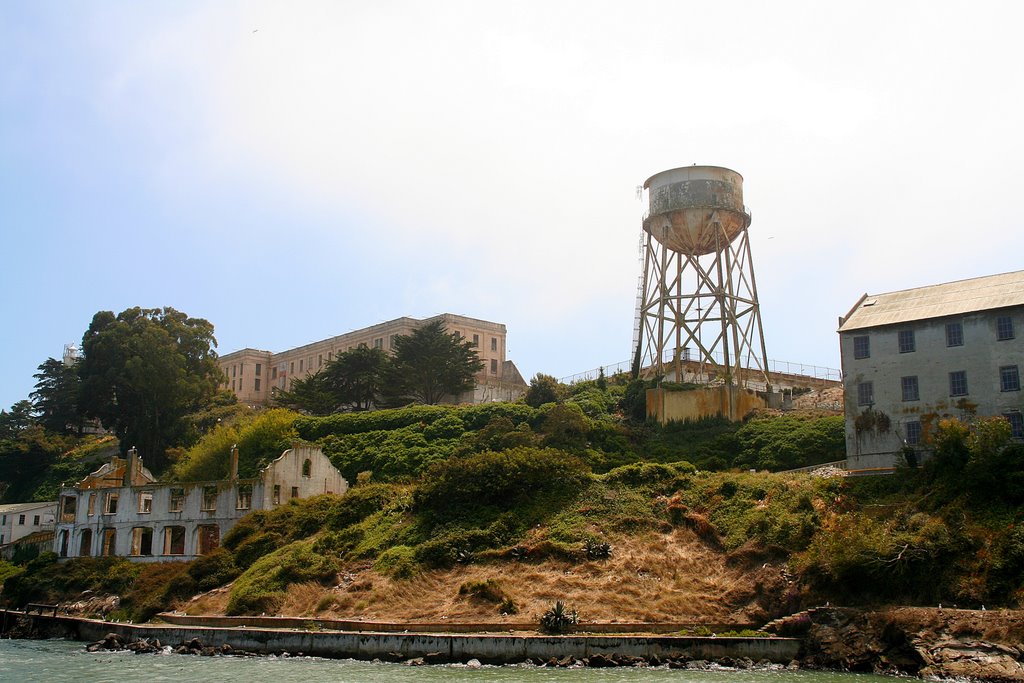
point(120, 509)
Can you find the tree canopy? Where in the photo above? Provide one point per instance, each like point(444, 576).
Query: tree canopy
point(351, 381)
point(430, 364)
point(143, 371)
point(55, 398)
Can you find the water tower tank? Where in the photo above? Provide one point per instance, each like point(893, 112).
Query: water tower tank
point(683, 202)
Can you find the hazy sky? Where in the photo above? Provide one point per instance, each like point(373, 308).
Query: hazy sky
point(295, 170)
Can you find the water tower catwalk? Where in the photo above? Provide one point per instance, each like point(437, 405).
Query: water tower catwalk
point(697, 316)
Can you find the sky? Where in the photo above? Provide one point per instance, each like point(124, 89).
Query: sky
point(296, 170)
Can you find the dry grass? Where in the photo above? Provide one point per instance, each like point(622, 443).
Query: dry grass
point(651, 577)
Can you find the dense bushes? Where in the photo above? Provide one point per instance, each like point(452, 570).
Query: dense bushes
point(262, 587)
point(260, 439)
point(459, 487)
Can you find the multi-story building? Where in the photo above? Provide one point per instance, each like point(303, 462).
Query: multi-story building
point(21, 519)
point(120, 509)
point(254, 374)
point(913, 357)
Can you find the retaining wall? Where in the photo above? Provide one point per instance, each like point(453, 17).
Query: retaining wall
point(488, 648)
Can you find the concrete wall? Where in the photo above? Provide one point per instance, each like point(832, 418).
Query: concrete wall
point(496, 649)
point(882, 435)
point(693, 404)
point(11, 526)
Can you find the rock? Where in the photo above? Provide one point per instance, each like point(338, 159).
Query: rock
point(226, 649)
point(418, 661)
point(394, 657)
point(564, 661)
point(435, 658)
point(600, 661)
point(474, 664)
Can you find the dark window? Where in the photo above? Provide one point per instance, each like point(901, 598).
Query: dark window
point(244, 497)
point(954, 334)
point(1009, 378)
point(865, 394)
point(494, 366)
point(276, 500)
point(177, 501)
point(85, 543)
point(109, 544)
point(476, 340)
point(35, 520)
point(142, 541)
point(861, 347)
point(1016, 424)
point(174, 540)
point(906, 341)
point(209, 538)
point(913, 431)
point(307, 468)
point(21, 520)
point(1004, 328)
point(908, 386)
point(295, 492)
point(110, 507)
point(958, 383)
point(273, 372)
point(494, 344)
point(256, 385)
point(259, 367)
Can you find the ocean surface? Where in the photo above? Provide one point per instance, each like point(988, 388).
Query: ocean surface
point(31, 661)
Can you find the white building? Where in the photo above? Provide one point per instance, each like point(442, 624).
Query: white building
point(21, 519)
point(120, 509)
point(913, 357)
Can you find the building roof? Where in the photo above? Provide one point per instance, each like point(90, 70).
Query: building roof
point(21, 507)
point(936, 301)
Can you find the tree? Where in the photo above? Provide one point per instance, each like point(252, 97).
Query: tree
point(20, 417)
point(143, 371)
point(351, 381)
point(429, 364)
point(543, 389)
point(56, 397)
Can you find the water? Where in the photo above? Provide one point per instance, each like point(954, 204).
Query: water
point(46, 661)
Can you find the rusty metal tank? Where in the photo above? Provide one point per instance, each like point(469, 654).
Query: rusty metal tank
point(696, 209)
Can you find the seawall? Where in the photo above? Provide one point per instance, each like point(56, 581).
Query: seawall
point(488, 648)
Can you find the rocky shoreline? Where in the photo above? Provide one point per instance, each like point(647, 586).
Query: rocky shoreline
point(926, 642)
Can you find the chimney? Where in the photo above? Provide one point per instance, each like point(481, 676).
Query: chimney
point(129, 470)
point(234, 463)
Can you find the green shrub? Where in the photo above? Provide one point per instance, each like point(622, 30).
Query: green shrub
point(398, 562)
point(261, 439)
point(213, 569)
point(558, 618)
point(261, 588)
point(489, 590)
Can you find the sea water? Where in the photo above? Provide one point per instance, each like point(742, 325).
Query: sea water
point(46, 661)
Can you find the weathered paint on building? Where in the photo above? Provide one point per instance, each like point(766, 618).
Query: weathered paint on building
point(122, 510)
point(727, 401)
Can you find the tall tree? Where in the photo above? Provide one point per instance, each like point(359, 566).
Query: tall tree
point(430, 364)
point(143, 371)
point(351, 381)
point(56, 396)
point(20, 417)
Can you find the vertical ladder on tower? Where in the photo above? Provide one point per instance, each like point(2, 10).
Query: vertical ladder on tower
point(638, 313)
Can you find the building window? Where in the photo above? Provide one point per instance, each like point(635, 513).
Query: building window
point(256, 384)
point(291, 366)
point(307, 468)
point(259, 368)
point(906, 341)
point(954, 334)
point(378, 343)
point(861, 347)
point(1009, 378)
point(276, 500)
point(958, 383)
point(1004, 328)
point(110, 504)
point(476, 340)
point(174, 540)
point(35, 520)
point(494, 366)
point(142, 541)
point(908, 385)
point(273, 372)
point(494, 344)
point(92, 505)
point(68, 509)
point(177, 500)
point(145, 502)
point(244, 501)
point(391, 341)
point(209, 498)
point(241, 368)
point(913, 432)
point(295, 492)
point(109, 544)
point(85, 543)
point(21, 520)
point(320, 360)
point(301, 361)
point(865, 394)
point(234, 371)
point(1016, 424)
point(209, 538)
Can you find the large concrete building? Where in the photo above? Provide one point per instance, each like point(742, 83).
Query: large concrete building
point(120, 509)
point(18, 520)
point(254, 374)
point(913, 357)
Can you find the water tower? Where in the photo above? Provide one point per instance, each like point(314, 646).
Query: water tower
point(697, 316)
